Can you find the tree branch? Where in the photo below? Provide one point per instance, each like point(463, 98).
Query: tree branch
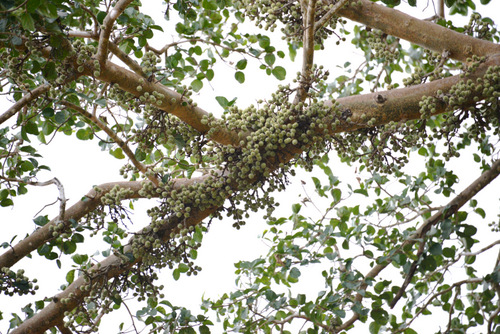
point(308, 52)
point(426, 34)
point(484, 249)
point(87, 204)
point(55, 180)
point(442, 292)
point(328, 16)
point(107, 27)
point(30, 96)
point(173, 103)
point(402, 104)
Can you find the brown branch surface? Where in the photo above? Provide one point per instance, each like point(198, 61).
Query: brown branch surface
point(426, 34)
point(308, 51)
point(173, 103)
point(402, 104)
point(24, 101)
point(107, 28)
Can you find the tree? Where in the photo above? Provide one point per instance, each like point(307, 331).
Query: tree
point(386, 244)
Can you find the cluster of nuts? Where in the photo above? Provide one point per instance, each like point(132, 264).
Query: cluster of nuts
point(481, 28)
point(12, 282)
point(384, 47)
point(268, 14)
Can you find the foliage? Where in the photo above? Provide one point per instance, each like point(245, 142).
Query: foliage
point(384, 245)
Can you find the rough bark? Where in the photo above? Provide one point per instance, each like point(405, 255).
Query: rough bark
point(424, 33)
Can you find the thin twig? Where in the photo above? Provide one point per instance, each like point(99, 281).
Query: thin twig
point(410, 275)
point(14, 9)
point(331, 12)
point(442, 292)
point(482, 249)
point(55, 180)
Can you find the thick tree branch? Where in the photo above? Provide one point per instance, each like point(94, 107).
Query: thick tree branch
point(35, 93)
point(173, 102)
point(107, 27)
point(88, 203)
point(402, 104)
point(426, 34)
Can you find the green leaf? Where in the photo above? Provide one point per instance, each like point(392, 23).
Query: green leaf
point(223, 102)
point(264, 41)
point(292, 51)
point(117, 153)
point(27, 21)
point(240, 77)
point(204, 329)
point(79, 259)
point(242, 64)
point(100, 16)
point(197, 85)
point(374, 327)
point(6, 202)
point(183, 268)
point(279, 72)
point(337, 194)
point(294, 273)
point(436, 249)
point(32, 5)
point(27, 166)
point(209, 4)
point(49, 71)
point(69, 247)
point(31, 128)
point(41, 220)
point(209, 74)
point(70, 276)
point(270, 59)
point(176, 274)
